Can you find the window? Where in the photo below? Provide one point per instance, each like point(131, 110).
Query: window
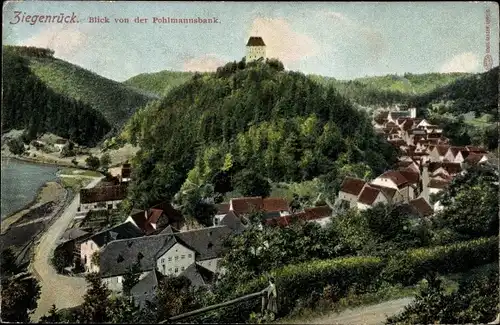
point(79, 209)
point(182, 268)
point(177, 258)
point(189, 255)
point(170, 270)
point(170, 259)
point(164, 269)
point(110, 206)
point(91, 245)
point(209, 263)
point(162, 261)
point(183, 257)
point(176, 270)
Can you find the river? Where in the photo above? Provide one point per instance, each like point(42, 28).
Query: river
point(21, 182)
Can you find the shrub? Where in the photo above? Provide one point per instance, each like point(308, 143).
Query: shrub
point(16, 146)
point(411, 266)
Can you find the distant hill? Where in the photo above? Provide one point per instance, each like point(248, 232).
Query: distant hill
point(389, 89)
point(29, 103)
point(159, 83)
point(116, 101)
point(475, 92)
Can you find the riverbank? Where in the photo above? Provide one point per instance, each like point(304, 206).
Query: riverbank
point(20, 230)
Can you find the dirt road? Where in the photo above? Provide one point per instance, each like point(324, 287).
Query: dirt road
point(366, 315)
point(63, 291)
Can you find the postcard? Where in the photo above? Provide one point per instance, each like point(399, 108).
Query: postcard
point(250, 162)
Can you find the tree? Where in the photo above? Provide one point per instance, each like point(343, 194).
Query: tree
point(174, 296)
point(8, 263)
point(197, 202)
point(52, 317)
point(19, 298)
point(131, 278)
point(67, 151)
point(61, 259)
point(16, 146)
point(250, 183)
point(105, 160)
point(92, 162)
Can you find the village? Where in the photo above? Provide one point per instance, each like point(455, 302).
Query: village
point(159, 242)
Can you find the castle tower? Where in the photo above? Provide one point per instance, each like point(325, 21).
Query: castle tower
point(256, 49)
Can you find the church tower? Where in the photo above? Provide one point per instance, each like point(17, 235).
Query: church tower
point(256, 49)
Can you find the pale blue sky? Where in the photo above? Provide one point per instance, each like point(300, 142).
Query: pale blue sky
point(341, 40)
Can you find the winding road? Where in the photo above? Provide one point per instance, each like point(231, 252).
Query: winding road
point(366, 315)
point(63, 291)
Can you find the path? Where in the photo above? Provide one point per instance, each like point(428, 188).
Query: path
point(63, 291)
point(366, 315)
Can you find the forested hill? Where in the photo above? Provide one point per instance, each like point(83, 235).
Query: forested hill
point(116, 101)
point(28, 103)
point(477, 92)
point(250, 118)
point(158, 83)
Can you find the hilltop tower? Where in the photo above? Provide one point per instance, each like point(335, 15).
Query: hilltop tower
point(256, 48)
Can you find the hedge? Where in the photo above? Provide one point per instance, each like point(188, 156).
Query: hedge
point(411, 266)
point(361, 274)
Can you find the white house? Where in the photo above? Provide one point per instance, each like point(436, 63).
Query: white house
point(256, 49)
point(60, 144)
point(396, 180)
point(195, 254)
point(94, 243)
point(349, 191)
point(369, 197)
point(100, 198)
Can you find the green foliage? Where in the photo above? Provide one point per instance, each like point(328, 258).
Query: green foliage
point(52, 317)
point(411, 266)
point(93, 162)
point(67, 152)
point(283, 124)
point(19, 298)
point(174, 296)
point(475, 302)
point(131, 278)
point(250, 183)
point(8, 263)
point(471, 204)
point(61, 259)
point(159, 83)
point(30, 103)
point(197, 202)
point(16, 146)
point(105, 160)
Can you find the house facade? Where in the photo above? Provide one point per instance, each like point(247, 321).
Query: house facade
point(101, 198)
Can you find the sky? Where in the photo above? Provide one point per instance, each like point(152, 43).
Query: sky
point(336, 39)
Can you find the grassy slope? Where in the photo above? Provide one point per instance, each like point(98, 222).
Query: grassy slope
point(117, 102)
point(158, 83)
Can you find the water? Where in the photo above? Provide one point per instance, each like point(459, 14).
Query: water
point(21, 182)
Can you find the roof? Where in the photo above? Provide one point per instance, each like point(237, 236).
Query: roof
point(222, 208)
point(474, 158)
point(255, 41)
point(246, 204)
point(307, 215)
point(207, 242)
point(61, 141)
point(151, 247)
point(399, 114)
point(411, 175)
point(422, 207)
point(475, 149)
point(396, 177)
point(198, 275)
point(436, 183)
point(122, 231)
point(387, 191)
point(368, 195)
point(233, 222)
point(73, 233)
point(352, 185)
point(450, 167)
point(126, 172)
point(318, 212)
point(104, 193)
point(442, 149)
point(465, 153)
point(455, 150)
point(146, 285)
point(275, 204)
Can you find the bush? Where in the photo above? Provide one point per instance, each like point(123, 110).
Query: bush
point(61, 259)
point(411, 266)
point(16, 146)
point(92, 162)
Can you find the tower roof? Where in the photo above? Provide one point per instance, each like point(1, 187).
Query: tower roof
point(255, 41)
